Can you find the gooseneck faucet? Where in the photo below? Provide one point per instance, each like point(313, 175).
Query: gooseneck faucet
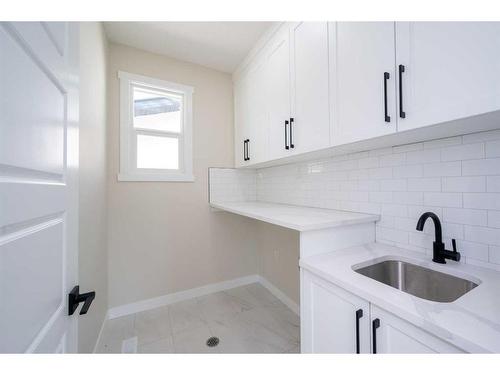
point(439, 254)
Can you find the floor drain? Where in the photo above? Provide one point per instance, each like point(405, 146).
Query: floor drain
point(213, 341)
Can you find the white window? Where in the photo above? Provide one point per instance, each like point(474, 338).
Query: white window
point(155, 130)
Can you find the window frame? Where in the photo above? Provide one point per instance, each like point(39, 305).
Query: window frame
point(128, 133)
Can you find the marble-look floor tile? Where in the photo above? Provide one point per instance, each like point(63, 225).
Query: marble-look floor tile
point(264, 296)
point(153, 325)
point(219, 307)
point(163, 346)
point(193, 341)
point(186, 315)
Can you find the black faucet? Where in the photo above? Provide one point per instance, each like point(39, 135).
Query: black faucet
point(439, 252)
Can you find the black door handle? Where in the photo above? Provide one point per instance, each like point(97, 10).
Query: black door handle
point(291, 134)
point(286, 136)
point(359, 315)
point(375, 325)
point(245, 150)
point(402, 113)
point(74, 299)
point(248, 149)
point(387, 118)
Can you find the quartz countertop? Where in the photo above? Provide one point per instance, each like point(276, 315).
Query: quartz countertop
point(472, 322)
point(296, 217)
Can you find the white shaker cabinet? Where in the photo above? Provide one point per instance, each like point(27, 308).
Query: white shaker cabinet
point(277, 89)
point(310, 120)
point(451, 71)
point(364, 81)
point(251, 137)
point(391, 334)
point(332, 320)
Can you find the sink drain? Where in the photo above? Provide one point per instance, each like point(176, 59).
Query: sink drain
point(213, 341)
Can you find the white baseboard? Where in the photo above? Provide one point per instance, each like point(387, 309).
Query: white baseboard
point(280, 295)
point(168, 299)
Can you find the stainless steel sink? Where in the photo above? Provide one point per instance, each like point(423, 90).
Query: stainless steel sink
point(418, 281)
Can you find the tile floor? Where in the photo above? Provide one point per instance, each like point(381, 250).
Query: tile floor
point(247, 319)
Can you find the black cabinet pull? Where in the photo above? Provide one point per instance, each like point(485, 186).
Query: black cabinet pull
point(286, 136)
point(75, 298)
point(402, 113)
point(386, 78)
point(359, 315)
point(291, 134)
point(375, 325)
point(248, 149)
point(245, 150)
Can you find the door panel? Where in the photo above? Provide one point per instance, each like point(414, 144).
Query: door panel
point(364, 52)
point(278, 91)
point(38, 192)
point(398, 336)
point(309, 67)
point(451, 70)
point(328, 318)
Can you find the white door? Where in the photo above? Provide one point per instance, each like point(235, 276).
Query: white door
point(278, 93)
point(364, 81)
point(309, 82)
point(451, 70)
point(391, 334)
point(38, 191)
point(332, 319)
point(240, 127)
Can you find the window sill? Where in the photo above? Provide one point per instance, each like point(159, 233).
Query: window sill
point(152, 177)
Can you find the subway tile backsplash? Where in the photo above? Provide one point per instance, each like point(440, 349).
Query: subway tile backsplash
point(458, 178)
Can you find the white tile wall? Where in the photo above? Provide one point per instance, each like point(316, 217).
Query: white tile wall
point(458, 178)
point(232, 185)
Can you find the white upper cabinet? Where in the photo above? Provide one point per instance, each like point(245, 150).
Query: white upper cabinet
point(451, 70)
point(364, 81)
point(277, 67)
point(310, 124)
point(251, 117)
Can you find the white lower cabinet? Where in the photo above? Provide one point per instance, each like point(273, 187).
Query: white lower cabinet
point(331, 322)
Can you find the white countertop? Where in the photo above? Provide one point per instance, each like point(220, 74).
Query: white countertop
point(295, 217)
point(471, 323)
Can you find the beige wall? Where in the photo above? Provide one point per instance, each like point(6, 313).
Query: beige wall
point(93, 257)
point(163, 237)
point(278, 252)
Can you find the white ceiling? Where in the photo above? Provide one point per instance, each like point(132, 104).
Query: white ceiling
point(218, 45)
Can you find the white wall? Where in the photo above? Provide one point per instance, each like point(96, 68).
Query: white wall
point(163, 236)
point(93, 259)
point(458, 178)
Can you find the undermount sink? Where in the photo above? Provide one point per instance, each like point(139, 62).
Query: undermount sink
point(418, 281)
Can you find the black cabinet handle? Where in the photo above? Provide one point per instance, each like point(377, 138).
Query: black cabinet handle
point(291, 134)
point(286, 136)
point(245, 150)
point(359, 315)
point(74, 299)
point(248, 149)
point(387, 118)
point(402, 113)
point(375, 325)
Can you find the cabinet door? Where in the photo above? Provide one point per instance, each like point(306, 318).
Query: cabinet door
point(240, 127)
point(251, 116)
point(309, 82)
point(278, 92)
point(395, 335)
point(364, 81)
point(329, 316)
point(451, 70)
